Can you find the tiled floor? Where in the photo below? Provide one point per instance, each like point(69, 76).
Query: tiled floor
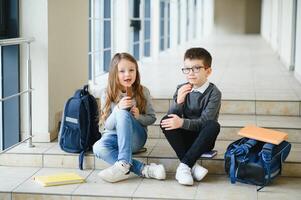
point(244, 68)
point(23, 186)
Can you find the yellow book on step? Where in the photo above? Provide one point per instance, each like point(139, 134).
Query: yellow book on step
point(59, 179)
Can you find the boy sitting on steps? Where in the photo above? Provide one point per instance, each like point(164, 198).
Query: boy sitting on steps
point(190, 125)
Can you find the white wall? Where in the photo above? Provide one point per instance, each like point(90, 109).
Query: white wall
point(277, 28)
point(237, 16)
point(34, 23)
point(298, 44)
point(121, 30)
point(229, 16)
point(68, 38)
point(208, 17)
point(59, 58)
point(285, 50)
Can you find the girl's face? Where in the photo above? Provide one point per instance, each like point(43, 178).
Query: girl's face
point(126, 73)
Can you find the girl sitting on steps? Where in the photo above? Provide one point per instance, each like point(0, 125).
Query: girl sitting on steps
point(125, 116)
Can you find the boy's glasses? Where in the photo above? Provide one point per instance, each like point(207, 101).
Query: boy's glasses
point(194, 69)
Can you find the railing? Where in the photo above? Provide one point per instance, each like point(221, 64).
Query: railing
point(16, 41)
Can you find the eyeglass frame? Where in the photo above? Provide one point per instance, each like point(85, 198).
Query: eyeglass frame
point(194, 69)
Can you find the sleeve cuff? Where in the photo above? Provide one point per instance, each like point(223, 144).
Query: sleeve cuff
point(186, 124)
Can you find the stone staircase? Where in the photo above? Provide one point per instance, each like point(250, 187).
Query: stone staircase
point(45, 158)
point(279, 115)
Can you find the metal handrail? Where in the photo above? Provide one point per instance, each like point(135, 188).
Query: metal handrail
point(13, 146)
point(16, 41)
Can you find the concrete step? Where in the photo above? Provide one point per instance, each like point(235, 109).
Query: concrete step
point(231, 124)
point(158, 150)
point(247, 107)
point(18, 183)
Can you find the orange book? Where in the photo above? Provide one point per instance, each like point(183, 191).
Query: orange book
point(263, 134)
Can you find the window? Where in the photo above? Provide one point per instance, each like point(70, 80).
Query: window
point(136, 24)
point(10, 75)
point(187, 19)
point(147, 28)
point(100, 41)
point(164, 24)
point(3, 17)
point(194, 18)
point(179, 22)
point(141, 28)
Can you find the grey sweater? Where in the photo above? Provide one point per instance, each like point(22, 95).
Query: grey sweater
point(144, 119)
point(197, 108)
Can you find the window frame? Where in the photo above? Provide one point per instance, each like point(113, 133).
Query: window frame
point(142, 19)
point(165, 37)
point(97, 19)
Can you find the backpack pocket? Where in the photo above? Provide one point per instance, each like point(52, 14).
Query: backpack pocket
point(70, 140)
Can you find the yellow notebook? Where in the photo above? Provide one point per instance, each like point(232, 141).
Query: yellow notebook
point(59, 179)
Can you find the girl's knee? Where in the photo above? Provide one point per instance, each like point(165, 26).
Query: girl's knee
point(122, 113)
point(99, 149)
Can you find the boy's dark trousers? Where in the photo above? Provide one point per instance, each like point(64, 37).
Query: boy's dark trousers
point(190, 145)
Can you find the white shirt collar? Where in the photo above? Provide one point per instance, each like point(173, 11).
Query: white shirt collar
point(202, 88)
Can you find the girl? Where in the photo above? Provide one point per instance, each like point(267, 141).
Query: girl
point(125, 119)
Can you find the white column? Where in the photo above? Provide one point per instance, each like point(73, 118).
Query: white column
point(298, 44)
point(173, 24)
point(155, 28)
point(34, 23)
point(121, 24)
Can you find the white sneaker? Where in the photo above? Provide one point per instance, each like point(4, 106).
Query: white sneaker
point(183, 174)
point(117, 172)
point(198, 172)
point(154, 171)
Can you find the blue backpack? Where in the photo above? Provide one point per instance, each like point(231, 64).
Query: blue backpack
point(254, 162)
point(79, 128)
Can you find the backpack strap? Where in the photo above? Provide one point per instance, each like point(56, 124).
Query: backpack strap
point(81, 92)
point(82, 154)
point(63, 120)
point(242, 149)
point(81, 159)
point(266, 155)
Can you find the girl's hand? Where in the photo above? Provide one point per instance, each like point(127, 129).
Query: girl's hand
point(182, 92)
point(135, 112)
point(173, 122)
point(125, 102)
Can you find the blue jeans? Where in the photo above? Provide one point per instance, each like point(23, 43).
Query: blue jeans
point(119, 144)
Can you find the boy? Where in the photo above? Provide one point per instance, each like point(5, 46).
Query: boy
point(190, 125)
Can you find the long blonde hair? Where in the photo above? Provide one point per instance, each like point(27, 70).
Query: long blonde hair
point(114, 86)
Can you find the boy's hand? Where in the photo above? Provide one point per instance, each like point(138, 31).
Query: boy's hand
point(182, 92)
point(135, 112)
point(173, 122)
point(125, 102)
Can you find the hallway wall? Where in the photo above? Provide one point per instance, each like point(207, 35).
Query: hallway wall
point(59, 58)
point(237, 16)
point(277, 28)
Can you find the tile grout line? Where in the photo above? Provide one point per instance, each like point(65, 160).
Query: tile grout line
point(26, 179)
point(73, 191)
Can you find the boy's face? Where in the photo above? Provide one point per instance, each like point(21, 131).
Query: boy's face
point(200, 74)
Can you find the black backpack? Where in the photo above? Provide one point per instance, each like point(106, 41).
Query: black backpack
point(79, 128)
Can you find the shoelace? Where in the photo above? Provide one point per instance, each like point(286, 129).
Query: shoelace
point(123, 166)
